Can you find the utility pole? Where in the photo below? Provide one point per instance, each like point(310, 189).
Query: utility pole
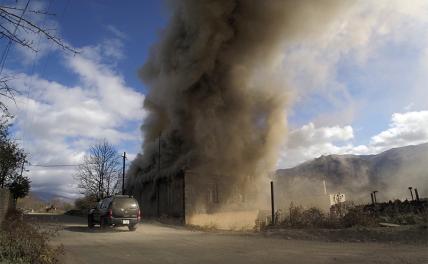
point(159, 157)
point(272, 202)
point(123, 173)
point(411, 193)
point(157, 184)
point(374, 195)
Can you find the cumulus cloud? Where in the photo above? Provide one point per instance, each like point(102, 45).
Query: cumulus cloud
point(309, 135)
point(57, 122)
point(370, 64)
point(404, 129)
point(365, 36)
point(309, 141)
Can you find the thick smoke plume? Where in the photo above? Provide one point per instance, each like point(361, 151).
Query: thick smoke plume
point(215, 97)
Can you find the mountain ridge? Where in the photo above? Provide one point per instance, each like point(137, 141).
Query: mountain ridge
point(390, 172)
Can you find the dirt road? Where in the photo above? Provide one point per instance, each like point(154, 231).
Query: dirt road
point(154, 243)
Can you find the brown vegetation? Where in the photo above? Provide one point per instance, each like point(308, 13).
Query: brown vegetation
point(402, 213)
point(357, 223)
point(83, 205)
point(21, 242)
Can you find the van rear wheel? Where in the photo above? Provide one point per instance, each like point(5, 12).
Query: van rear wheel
point(90, 221)
point(132, 227)
point(103, 222)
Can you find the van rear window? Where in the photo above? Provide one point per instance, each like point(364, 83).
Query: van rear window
point(127, 203)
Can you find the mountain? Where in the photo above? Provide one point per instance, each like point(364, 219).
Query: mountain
point(390, 172)
point(47, 197)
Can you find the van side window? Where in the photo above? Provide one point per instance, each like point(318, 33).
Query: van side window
point(105, 203)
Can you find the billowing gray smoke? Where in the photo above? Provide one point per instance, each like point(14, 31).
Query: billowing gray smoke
point(215, 96)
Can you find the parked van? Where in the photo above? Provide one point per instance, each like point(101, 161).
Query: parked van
point(117, 210)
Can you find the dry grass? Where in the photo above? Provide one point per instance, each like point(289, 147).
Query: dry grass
point(313, 217)
point(299, 217)
point(22, 243)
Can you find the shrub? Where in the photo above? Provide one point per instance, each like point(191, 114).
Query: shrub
point(356, 216)
point(313, 217)
point(24, 243)
point(301, 218)
point(85, 203)
point(348, 214)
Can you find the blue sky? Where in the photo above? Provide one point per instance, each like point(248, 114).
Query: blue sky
point(139, 23)
point(359, 87)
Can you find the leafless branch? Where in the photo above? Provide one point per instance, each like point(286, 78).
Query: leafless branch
point(39, 12)
point(24, 23)
point(14, 26)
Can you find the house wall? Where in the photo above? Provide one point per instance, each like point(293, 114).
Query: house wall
point(163, 198)
point(189, 198)
point(215, 203)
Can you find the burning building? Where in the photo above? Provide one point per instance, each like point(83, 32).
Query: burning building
point(216, 101)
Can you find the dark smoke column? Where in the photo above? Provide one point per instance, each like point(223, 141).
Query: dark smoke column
point(215, 93)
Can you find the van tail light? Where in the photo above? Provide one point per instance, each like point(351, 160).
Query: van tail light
point(139, 215)
point(110, 213)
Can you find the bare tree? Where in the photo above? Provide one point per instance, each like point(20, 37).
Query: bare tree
point(98, 175)
point(6, 92)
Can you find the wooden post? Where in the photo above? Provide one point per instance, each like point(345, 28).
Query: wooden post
point(272, 201)
point(123, 173)
point(411, 193)
point(417, 194)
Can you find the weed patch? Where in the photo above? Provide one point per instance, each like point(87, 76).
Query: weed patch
point(22, 243)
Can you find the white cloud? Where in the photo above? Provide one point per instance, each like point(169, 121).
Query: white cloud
point(393, 35)
point(309, 141)
point(405, 129)
point(116, 32)
point(57, 123)
point(308, 134)
point(360, 36)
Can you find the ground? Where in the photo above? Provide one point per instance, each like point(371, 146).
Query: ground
point(156, 243)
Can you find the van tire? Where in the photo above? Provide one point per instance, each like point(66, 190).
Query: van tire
point(90, 221)
point(103, 223)
point(132, 227)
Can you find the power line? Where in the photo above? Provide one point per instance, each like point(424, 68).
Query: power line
point(9, 44)
point(60, 165)
point(54, 165)
point(69, 165)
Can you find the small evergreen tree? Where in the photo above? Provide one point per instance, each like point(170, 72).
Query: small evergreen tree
point(19, 187)
point(12, 159)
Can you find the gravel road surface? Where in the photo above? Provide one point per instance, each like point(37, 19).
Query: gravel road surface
point(156, 243)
